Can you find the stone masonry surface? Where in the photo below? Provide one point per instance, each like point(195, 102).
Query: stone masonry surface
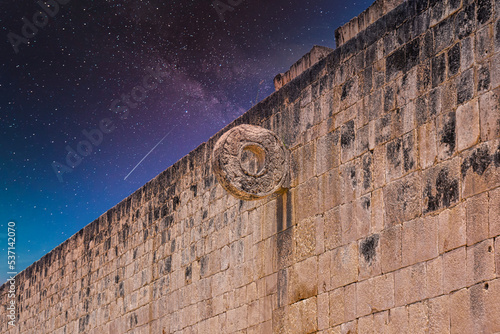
point(390, 222)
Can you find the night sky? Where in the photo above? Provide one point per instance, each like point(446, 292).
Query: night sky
point(73, 78)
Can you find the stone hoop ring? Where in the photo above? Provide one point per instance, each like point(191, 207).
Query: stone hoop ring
point(250, 162)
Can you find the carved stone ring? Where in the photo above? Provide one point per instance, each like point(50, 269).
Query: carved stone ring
point(250, 162)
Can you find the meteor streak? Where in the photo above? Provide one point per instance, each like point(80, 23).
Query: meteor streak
point(148, 153)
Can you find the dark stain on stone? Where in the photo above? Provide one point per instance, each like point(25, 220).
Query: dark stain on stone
point(121, 290)
point(188, 272)
point(279, 213)
point(454, 59)
point(408, 146)
point(282, 287)
point(367, 175)
point(366, 203)
point(465, 88)
point(483, 81)
point(421, 110)
point(82, 322)
point(194, 189)
point(368, 248)
point(393, 152)
point(203, 265)
point(347, 136)
point(438, 70)
point(465, 21)
point(168, 264)
point(176, 201)
point(484, 11)
point(446, 192)
point(389, 99)
point(133, 320)
point(346, 89)
point(448, 135)
point(395, 63)
point(479, 161)
point(205, 214)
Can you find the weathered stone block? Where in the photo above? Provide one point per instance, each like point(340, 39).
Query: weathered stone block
point(460, 311)
point(327, 152)
point(465, 21)
point(418, 321)
point(483, 78)
point(379, 160)
point(337, 306)
point(477, 218)
point(395, 63)
point(349, 222)
point(398, 322)
point(444, 34)
point(465, 86)
point(332, 228)
point(489, 115)
point(402, 199)
point(410, 284)
point(302, 317)
point(480, 262)
point(454, 60)
point(302, 164)
point(323, 311)
point(484, 11)
point(454, 270)
point(375, 294)
point(427, 145)
point(439, 315)
point(304, 238)
point(452, 228)
point(307, 200)
point(303, 280)
point(494, 213)
point(390, 248)
point(344, 267)
point(467, 125)
point(438, 69)
point(434, 277)
point(362, 140)
point(420, 240)
point(349, 181)
point(330, 187)
point(377, 209)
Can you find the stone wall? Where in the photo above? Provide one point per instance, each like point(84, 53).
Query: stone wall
point(390, 222)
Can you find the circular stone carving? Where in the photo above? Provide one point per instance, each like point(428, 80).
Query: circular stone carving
point(250, 162)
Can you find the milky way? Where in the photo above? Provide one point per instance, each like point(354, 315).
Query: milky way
point(71, 130)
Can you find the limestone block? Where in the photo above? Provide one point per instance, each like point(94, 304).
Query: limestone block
point(477, 218)
point(454, 270)
point(467, 125)
point(452, 228)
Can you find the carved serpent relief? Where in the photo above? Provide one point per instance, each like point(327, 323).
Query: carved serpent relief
point(250, 162)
